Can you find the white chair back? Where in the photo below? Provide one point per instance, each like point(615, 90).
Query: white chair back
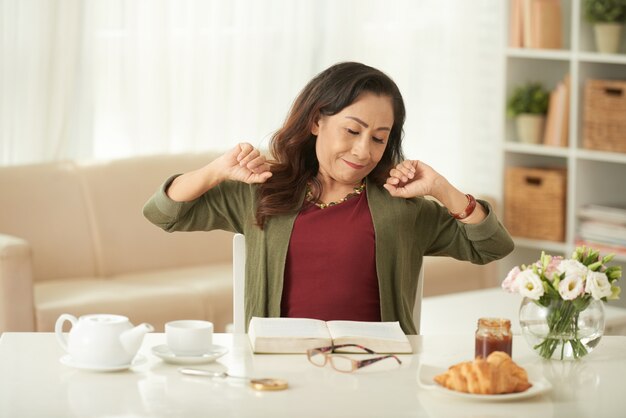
point(239, 283)
point(417, 308)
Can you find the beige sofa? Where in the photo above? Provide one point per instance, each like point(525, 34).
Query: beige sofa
point(73, 239)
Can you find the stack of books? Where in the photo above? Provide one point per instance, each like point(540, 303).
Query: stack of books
point(557, 131)
point(535, 24)
point(603, 228)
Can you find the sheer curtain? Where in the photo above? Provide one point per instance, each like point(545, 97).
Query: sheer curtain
point(40, 53)
point(107, 79)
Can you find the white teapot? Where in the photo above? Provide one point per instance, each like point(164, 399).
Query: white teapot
point(101, 340)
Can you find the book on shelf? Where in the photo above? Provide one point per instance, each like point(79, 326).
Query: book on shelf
point(515, 25)
point(297, 335)
point(604, 248)
point(535, 24)
point(563, 138)
point(557, 121)
point(609, 214)
point(546, 24)
point(556, 106)
point(608, 233)
point(527, 41)
point(603, 226)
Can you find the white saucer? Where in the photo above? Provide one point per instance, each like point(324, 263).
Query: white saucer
point(164, 352)
point(68, 361)
point(428, 372)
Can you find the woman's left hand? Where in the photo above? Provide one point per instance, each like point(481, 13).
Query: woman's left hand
point(412, 178)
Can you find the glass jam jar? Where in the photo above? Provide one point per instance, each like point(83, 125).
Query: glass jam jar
point(493, 334)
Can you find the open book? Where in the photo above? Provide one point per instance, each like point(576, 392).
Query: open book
point(296, 335)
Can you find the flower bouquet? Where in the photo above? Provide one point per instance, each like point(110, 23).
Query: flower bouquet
point(565, 291)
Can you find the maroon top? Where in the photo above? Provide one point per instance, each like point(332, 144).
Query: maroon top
point(330, 271)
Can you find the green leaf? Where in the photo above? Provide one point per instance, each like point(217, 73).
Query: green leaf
point(608, 258)
point(557, 280)
point(591, 257)
point(530, 98)
point(544, 300)
point(595, 266)
point(581, 303)
point(605, 11)
point(613, 272)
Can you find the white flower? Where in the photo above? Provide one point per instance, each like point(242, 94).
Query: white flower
point(598, 285)
point(571, 287)
point(529, 284)
point(509, 283)
point(572, 268)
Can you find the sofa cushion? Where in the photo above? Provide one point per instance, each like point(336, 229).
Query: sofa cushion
point(44, 205)
point(444, 275)
point(126, 242)
point(156, 297)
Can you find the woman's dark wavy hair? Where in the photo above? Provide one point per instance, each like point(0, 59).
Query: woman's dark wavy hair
point(293, 146)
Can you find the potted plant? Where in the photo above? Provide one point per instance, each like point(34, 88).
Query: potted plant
point(607, 17)
point(528, 105)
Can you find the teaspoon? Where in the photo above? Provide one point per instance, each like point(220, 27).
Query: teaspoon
point(256, 384)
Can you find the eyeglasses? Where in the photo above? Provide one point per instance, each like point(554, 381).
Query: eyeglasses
point(320, 356)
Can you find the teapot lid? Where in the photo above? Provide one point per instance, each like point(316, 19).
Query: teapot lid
point(104, 318)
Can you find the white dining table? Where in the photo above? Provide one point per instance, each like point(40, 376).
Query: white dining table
point(33, 383)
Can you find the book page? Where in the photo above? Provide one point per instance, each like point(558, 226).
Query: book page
point(287, 335)
point(381, 337)
point(377, 330)
point(288, 327)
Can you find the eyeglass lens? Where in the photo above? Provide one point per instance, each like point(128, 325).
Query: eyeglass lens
point(340, 363)
point(318, 358)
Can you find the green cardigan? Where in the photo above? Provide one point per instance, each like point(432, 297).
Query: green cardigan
point(406, 230)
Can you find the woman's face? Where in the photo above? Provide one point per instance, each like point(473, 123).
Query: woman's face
point(351, 142)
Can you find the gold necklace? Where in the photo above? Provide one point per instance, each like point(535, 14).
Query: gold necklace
point(357, 191)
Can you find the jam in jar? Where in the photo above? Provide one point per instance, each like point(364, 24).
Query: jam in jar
point(493, 334)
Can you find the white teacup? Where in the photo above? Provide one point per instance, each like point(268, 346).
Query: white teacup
point(189, 337)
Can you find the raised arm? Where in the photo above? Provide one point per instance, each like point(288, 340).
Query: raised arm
point(243, 163)
point(412, 178)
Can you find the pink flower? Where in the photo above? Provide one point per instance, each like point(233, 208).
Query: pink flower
point(509, 283)
point(552, 267)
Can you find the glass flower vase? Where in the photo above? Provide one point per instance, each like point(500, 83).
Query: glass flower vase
point(563, 330)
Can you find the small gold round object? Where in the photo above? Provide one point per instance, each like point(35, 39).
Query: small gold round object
point(268, 384)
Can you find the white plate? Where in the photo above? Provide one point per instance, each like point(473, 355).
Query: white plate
point(68, 361)
point(164, 352)
point(427, 373)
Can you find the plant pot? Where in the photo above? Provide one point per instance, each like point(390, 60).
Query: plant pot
point(560, 331)
point(530, 128)
point(608, 36)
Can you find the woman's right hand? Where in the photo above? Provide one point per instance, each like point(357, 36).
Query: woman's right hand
point(246, 164)
point(243, 163)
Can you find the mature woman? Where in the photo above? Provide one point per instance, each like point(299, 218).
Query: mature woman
point(336, 223)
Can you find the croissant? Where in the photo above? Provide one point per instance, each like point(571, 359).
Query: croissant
point(498, 374)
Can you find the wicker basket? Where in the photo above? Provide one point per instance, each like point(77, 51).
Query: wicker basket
point(534, 203)
point(605, 115)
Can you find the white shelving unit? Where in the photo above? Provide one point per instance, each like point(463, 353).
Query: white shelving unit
point(592, 176)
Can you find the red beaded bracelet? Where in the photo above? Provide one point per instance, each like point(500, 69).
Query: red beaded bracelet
point(471, 205)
